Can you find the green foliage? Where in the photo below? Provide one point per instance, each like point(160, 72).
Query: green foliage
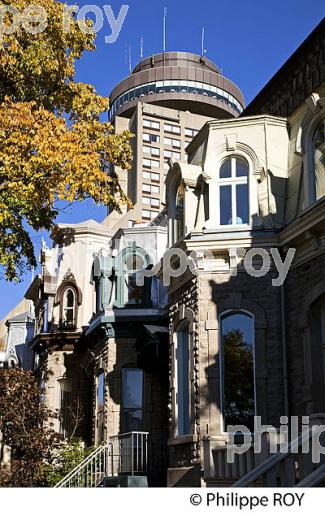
point(71, 453)
point(23, 417)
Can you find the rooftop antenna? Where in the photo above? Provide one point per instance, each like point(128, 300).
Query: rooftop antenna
point(130, 61)
point(165, 16)
point(126, 55)
point(141, 48)
point(203, 50)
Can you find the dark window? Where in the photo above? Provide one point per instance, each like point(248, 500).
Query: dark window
point(238, 396)
point(225, 205)
point(100, 407)
point(69, 308)
point(132, 399)
point(183, 382)
point(65, 407)
point(179, 213)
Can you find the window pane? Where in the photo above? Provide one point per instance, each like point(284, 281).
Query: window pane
point(132, 420)
point(134, 262)
point(241, 167)
point(225, 205)
point(69, 316)
point(183, 383)
point(242, 203)
point(101, 389)
point(179, 213)
point(225, 170)
point(132, 388)
point(238, 370)
point(132, 391)
point(70, 298)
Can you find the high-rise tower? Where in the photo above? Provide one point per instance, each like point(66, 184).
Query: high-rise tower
point(164, 102)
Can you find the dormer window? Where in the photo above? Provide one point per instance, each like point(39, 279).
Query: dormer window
point(319, 159)
point(133, 288)
point(68, 299)
point(69, 305)
point(233, 192)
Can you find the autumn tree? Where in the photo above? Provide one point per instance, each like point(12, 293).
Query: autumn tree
point(53, 143)
point(23, 417)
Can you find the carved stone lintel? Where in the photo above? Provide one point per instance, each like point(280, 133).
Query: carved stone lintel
point(69, 276)
point(231, 142)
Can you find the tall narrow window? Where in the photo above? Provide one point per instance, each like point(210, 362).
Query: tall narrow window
point(65, 407)
point(179, 213)
point(183, 382)
point(317, 353)
point(100, 406)
point(69, 308)
point(319, 159)
point(132, 399)
point(98, 292)
point(233, 192)
point(238, 396)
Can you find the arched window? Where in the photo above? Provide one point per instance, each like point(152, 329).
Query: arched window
point(179, 213)
point(69, 303)
point(233, 192)
point(319, 159)
point(183, 382)
point(68, 298)
point(237, 369)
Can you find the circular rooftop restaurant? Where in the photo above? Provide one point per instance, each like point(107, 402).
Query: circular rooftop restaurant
point(178, 80)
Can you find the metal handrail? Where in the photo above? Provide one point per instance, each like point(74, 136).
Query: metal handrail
point(313, 479)
point(125, 453)
point(131, 451)
point(80, 472)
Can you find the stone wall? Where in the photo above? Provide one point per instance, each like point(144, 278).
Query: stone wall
point(303, 284)
point(208, 295)
point(68, 365)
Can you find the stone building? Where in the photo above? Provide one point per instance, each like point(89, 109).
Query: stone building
point(155, 373)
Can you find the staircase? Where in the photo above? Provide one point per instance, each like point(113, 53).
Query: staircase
point(124, 454)
point(291, 469)
point(291, 466)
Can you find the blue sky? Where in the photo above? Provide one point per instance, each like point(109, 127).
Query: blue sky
point(248, 39)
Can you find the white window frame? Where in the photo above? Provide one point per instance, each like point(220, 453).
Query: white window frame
point(214, 193)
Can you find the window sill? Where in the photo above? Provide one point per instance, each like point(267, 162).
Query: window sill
point(184, 439)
